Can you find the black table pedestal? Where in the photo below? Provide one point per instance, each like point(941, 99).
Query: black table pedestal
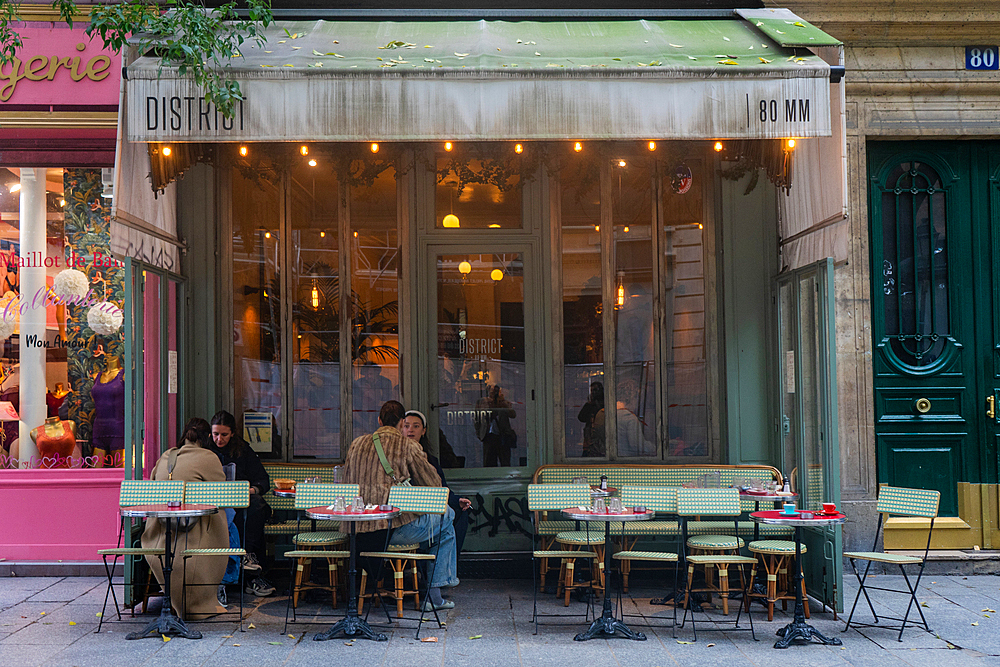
point(607, 625)
point(352, 625)
point(798, 629)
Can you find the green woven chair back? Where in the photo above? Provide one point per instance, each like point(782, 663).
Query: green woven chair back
point(655, 498)
point(708, 502)
point(150, 492)
point(313, 495)
point(221, 494)
point(908, 502)
point(422, 499)
point(544, 497)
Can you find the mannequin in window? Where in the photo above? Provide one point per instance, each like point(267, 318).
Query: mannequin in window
point(108, 433)
point(54, 399)
point(56, 443)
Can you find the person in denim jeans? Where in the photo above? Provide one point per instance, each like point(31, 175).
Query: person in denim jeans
point(408, 461)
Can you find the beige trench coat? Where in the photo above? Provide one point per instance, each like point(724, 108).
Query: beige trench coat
point(194, 464)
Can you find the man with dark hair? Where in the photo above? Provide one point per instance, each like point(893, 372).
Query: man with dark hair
point(407, 460)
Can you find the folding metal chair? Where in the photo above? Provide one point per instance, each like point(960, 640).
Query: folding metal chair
point(135, 492)
point(543, 498)
point(893, 500)
point(419, 500)
point(234, 494)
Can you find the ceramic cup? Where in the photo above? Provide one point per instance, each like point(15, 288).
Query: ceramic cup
point(789, 508)
point(829, 508)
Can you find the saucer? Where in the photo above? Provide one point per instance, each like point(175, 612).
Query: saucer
point(783, 513)
point(822, 513)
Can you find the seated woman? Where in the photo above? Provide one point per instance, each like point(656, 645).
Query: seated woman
point(415, 428)
point(192, 461)
point(231, 448)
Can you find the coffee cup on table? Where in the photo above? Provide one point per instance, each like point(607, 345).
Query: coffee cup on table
point(830, 508)
point(789, 509)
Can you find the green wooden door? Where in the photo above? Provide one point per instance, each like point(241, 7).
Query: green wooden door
point(933, 313)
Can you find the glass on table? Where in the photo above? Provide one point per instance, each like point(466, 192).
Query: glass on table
point(339, 505)
point(579, 480)
point(358, 505)
point(599, 506)
point(615, 506)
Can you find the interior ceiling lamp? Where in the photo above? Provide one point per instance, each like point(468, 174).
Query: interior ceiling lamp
point(494, 225)
point(315, 295)
point(167, 151)
point(450, 221)
point(651, 145)
point(789, 144)
point(374, 147)
point(464, 268)
point(303, 150)
point(312, 163)
point(244, 150)
point(448, 146)
point(620, 291)
point(496, 275)
point(718, 146)
point(518, 148)
point(622, 163)
point(578, 146)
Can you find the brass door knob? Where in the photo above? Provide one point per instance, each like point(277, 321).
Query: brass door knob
point(922, 405)
point(991, 406)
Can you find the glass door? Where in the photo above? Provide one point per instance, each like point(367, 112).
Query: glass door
point(482, 365)
point(808, 400)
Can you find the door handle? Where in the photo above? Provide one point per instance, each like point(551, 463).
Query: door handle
point(991, 406)
point(434, 406)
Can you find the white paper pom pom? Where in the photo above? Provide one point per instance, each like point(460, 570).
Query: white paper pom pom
point(105, 318)
point(71, 284)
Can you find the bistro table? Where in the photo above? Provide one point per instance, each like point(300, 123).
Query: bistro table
point(607, 625)
point(352, 624)
point(765, 496)
point(798, 628)
point(597, 492)
point(284, 493)
point(167, 623)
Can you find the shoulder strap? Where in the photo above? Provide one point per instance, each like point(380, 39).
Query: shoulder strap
point(171, 462)
point(381, 457)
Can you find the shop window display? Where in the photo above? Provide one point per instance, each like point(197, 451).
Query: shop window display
point(74, 319)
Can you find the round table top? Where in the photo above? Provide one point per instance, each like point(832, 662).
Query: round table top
point(163, 511)
point(325, 513)
point(625, 515)
point(765, 496)
point(777, 517)
point(284, 493)
point(597, 492)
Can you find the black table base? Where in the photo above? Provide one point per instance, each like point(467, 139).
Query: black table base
point(798, 629)
point(168, 624)
point(607, 625)
point(352, 625)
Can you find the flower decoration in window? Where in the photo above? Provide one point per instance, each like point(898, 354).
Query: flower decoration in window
point(71, 284)
point(105, 318)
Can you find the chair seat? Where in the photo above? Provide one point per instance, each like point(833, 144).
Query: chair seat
point(714, 542)
point(564, 554)
point(746, 528)
point(645, 528)
point(402, 547)
point(717, 559)
point(320, 537)
point(880, 557)
point(214, 552)
point(318, 553)
point(292, 526)
point(554, 527)
point(396, 555)
point(775, 547)
point(645, 555)
point(130, 551)
point(580, 537)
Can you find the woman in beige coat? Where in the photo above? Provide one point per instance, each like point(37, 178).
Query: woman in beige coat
point(194, 463)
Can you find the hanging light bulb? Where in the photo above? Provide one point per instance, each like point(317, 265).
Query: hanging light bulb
point(620, 297)
point(578, 147)
point(167, 150)
point(622, 163)
point(448, 146)
point(496, 275)
point(244, 150)
point(374, 147)
point(718, 147)
point(790, 144)
point(312, 163)
point(315, 295)
point(518, 148)
point(464, 268)
point(267, 235)
point(303, 150)
point(626, 229)
point(14, 188)
point(651, 145)
point(322, 235)
point(450, 221)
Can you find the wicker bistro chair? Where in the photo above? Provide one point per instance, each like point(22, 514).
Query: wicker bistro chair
point(317, 543)
point(420, 500)
point(544, 498)
point(776, 557)
point(722, 551)
point(662, 500)
point(234, 494)
point(897, 501)
point(136, 492)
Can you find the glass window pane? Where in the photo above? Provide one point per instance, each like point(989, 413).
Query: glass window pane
point(257, 294)
point(635, 370)
point(583, 336)
point(477, 193)
point(685, 369)
point(374, 300)
point(315, 297)
point(481, 379)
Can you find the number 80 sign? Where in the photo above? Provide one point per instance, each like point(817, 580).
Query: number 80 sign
point(981, 57)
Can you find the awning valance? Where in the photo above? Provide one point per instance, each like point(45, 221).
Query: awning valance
point(496, 80)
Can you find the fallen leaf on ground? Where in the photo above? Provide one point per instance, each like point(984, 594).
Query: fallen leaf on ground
point(348, 643)
point(275, 643)
point(291, 636)
point(41, 613)
point(924, 604)
point(428, 639)
point(227, 636)
point(683, 642)
point(476, 637)
point(237, 644)
point(165, 638)
point(709, 645)
point(72, 622)
point(251, 626)
point(975, 623)
point(98, 614)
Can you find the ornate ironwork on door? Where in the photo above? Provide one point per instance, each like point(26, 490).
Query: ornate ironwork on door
point(914, 267)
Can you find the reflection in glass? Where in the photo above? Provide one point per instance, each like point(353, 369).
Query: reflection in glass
point(635, 369)
point(315, 313)
point(810, 381)
point(583, 337)
point(256, 294)
point(481, 375)
point(477, 194)
point(374, 301)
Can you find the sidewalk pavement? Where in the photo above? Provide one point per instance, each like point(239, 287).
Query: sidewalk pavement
point(51, 621)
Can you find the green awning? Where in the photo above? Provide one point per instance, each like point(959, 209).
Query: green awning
point(413, 81)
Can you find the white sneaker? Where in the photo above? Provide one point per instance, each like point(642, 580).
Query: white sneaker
point(250, 563)
point(429, 606)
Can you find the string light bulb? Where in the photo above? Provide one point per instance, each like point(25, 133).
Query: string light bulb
point(315, 295)
point(518, 148)
point(167, 151)
point(626, 229)
point(790, 144)
point(718, 147)
point(578, 146)
point(322, 235)
point(448, 146)
point(312, 162)
point(464, 268)
point(621, 163)
point(496, 275)
point(374, 147)
point(267, 235)
point(651, 145)
point(244, 150)
point(450, 221)
point(303, 150)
